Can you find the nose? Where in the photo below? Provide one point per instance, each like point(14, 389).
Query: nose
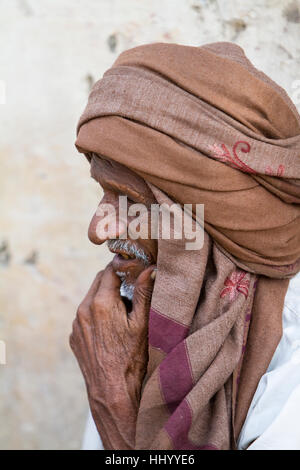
point(105, 223)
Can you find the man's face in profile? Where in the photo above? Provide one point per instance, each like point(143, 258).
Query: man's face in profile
point(131, 256)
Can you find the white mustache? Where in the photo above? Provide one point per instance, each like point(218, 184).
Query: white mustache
point(129, 248)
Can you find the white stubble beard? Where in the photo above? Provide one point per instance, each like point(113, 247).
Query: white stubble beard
point(127, 290)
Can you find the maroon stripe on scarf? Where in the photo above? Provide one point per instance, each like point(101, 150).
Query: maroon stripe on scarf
point(176, 381)
point(178, 427)
point(165, 333)
point(175, 376)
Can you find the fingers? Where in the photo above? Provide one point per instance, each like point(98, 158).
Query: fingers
point(142, 294)
point(80, 339)
point(83, 311)
point(108, 291)
point(107, 301)
point(110, 283)
point(92, 290)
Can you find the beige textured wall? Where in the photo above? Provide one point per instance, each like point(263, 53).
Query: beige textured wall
point(51, 52)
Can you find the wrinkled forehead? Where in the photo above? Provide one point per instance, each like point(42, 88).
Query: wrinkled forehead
point(117, 177)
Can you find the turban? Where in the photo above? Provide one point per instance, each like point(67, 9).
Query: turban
point(201, 125)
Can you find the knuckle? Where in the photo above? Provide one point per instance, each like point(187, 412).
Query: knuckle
point(74, 329)
point(98, 304)
point(144, 292)
point(99, 274)
point(82, 312)
point(72, 341)
point(75, 336)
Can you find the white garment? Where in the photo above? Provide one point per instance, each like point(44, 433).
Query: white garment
point(272, 421)
point(91, 438)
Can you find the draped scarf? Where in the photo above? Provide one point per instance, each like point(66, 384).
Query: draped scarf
point(201, 125)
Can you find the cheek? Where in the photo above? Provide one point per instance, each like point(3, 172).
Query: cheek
point(139, 222)
point(139, 229)
point(150, 246)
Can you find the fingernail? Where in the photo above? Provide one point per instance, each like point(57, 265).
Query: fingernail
point(153, 274)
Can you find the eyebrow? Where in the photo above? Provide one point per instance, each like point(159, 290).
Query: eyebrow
point(132, 195)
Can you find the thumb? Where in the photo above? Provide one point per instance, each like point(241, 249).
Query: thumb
point(142, 293)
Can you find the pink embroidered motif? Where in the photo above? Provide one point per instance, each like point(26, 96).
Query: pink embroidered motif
point(279, 172)
point(234, 284)
point(223, 154)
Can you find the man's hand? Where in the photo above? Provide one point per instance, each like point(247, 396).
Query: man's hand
point(111, 348)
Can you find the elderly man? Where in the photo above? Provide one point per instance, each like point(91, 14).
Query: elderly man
point(172, 342)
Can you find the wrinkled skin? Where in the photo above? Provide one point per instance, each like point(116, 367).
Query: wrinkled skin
point(109, 342)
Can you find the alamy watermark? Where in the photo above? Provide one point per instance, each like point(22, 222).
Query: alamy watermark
point(157, 221)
